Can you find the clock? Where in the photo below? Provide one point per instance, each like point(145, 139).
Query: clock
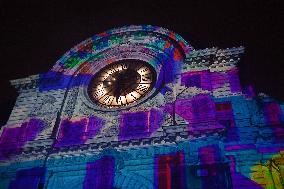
point(122, 83)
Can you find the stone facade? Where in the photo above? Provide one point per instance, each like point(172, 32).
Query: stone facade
point(199, 128)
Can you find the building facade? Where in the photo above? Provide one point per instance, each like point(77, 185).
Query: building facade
point(139, 107)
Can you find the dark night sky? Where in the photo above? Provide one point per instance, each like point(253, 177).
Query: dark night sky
point(34, 34)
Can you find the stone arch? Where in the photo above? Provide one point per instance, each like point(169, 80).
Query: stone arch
point(159, 47)
point(150, 37)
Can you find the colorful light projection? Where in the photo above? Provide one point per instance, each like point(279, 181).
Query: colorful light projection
point(209, 154)
point(249, 91)
point(212, 171)
point(225, 117)
point(274, 118)
point(100, 174)
point(137, 125)
point(238, 179)
point(200, 113)
point(169, 56)
point(205, 176)
point(75, 132)
point(14, 138)
point(170, 171)
point(271, 173)
point(215, 167)
point(207, 80)
point(200, 79)
point(32, 178)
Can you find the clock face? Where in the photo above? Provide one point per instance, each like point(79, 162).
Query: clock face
point(122, 83)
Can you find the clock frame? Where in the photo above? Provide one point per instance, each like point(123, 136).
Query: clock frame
point(122, 83)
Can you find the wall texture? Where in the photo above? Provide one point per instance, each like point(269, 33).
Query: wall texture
point(199, 128)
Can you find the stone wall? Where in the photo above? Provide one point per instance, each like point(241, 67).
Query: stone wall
point(199, 129)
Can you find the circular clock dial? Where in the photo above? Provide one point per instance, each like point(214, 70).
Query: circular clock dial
point(122, 83)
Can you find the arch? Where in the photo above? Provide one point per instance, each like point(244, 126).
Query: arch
point(94, 48)
point(164, 50)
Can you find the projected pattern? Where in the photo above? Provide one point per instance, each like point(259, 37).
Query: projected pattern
point(198, 129)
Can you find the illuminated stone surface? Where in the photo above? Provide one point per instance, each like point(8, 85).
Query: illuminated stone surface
point(197, 128)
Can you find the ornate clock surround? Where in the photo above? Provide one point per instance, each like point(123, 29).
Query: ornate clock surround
point(163, 50)
point(120, 56)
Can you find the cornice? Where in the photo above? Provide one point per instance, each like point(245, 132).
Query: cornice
point(29, 82)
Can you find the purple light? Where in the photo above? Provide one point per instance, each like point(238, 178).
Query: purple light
point(200, 79)
point(100, 174)
point(170, 171)
point(199, 112)
point(273, 115)
point(233, 76)
point(240, 181)
point(13, 139)
point(239, 147)
point(209, 154)
point(135, 125)
point(78, 132)
point(28, 178)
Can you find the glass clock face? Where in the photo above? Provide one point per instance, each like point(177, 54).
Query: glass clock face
point(122, 83)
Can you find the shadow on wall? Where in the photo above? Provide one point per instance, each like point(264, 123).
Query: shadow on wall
point(5, 111)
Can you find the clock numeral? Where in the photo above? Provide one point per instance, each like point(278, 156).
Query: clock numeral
point(143, 87)
point(99, 93)
point(103, 76)
point(113, 69)
point(143, 70)
point(111, 99)
point(116, 67)
point(146, 77)
point(122, 100)
point(108, 99)
point(105, 98)
point(124, 66)
point(110, 71)
point(119, 100)
point(133, 96)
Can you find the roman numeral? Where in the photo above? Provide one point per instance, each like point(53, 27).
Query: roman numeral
point(124, 66)
point(143, 88)
point(107, 99)
point(146, 77)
